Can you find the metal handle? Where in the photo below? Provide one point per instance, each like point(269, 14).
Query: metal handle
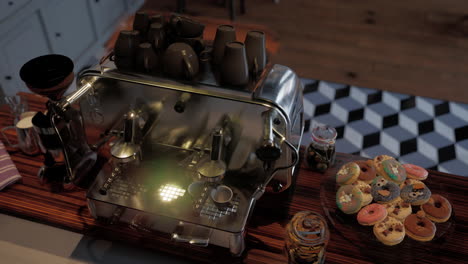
point(5, 137)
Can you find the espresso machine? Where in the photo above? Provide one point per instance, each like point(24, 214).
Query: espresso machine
point(188, 154)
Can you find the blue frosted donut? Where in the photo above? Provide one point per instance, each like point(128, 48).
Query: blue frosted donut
point(384, 191)
point(416, 194)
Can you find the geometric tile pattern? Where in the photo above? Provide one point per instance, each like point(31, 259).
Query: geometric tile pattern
point(424, 131)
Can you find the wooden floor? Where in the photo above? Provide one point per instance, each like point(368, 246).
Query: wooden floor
point(416, 46)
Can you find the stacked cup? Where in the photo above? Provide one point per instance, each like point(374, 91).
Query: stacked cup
point(235, 58)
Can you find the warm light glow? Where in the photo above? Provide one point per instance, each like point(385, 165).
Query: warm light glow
point(170, 192)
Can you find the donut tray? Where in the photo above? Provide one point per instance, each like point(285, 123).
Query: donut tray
point(363, 237)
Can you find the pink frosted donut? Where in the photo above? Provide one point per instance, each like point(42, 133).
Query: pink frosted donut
point(415, 172)
point(372, 214)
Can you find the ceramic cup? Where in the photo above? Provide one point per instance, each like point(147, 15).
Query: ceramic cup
point(141, 23)
point(197, 44)
point(28, 141)
point(127, 43)
point(186, 27)
point(234, 69)
point(255, 50)
point(146, 59)
point(124, 63)
point(180, 61)
point(224, 34)
point(158, 18)
point(221, 196)
point(157, 36)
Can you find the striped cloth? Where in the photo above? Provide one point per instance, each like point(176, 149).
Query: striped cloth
point(8, 172)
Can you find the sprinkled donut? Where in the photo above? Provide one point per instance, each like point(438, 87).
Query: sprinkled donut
point(372, 214)
point(419, 228)
point(398, 209)
point(384, 191)
point(349, 199)
point(390, 231)
point(348, 173)
point(409, 182)
point(365, 190)
point(378, 163)
point(393, 171)
point(367, 173)
point(437, 208)
point(415, 172)
point(415, 194)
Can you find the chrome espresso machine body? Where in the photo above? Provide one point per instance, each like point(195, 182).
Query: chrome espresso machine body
point(189, 159)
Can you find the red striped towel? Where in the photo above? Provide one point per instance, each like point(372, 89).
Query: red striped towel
point(8, 172)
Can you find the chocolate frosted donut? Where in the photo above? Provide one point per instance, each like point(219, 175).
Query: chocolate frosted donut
point(415, 194)
point(384, 191)
point(419, 228)
point(367, 173)
point(437, 208)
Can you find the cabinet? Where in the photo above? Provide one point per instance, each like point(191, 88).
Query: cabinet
point(69, 27)
point(105, 13)
point(28, 40)
point(8, 7)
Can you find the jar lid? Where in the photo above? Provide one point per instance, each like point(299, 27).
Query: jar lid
point(324, 134)
point(310, 227)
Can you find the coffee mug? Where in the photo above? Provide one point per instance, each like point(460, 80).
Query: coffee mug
point(255, 49)
point(127, 43)
point(146, 60)
point(234, 69)
point(197, 44)
point(186, 27)
point(224, 34)
point(158, 18)
point(141, 23)
point(180, 61)
point(27, 136)
point(157, 36)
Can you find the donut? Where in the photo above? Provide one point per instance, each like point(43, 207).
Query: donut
point(392, 170)
point(409, 182)
point(384, 191)
point(372, 214)
point(390, 231)
point(367, 172)
point(349, 199)
point(378, 162)
point(415, 172)
point(365, 190)
point(419, 227)
point(415, 194)
point(348, 173)
point(398, 209)
point(437, 209)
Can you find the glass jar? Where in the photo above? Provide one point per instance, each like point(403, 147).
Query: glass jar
point(307, 237)
point(321, 151)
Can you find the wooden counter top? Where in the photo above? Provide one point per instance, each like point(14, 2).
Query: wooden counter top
point(266, 229)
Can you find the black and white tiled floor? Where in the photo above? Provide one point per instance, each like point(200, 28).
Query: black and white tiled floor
point(428, 132)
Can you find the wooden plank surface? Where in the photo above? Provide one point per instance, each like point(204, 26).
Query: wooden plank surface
point(416, 46)
point(266, 228)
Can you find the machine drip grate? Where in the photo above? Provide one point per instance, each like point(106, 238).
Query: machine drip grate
point(124, 189)
point(213, 212)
